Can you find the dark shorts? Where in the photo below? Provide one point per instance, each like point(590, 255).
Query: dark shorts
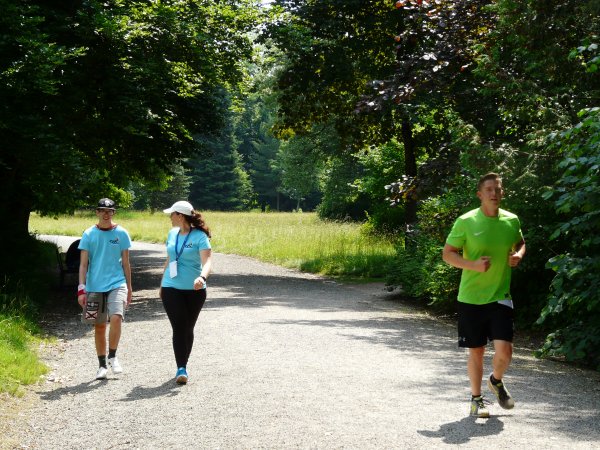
point(478, 324)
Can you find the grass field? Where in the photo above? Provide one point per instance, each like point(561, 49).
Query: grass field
point(294, 240)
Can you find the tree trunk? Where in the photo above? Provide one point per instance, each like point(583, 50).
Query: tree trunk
point(410, 161)
point(17, 246)
point(15, 206)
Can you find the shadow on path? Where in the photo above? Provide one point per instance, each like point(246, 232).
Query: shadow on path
point(81, 388)
point(463, 430)
point(167, 389)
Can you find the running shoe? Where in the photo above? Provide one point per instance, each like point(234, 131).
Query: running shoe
point(101, 373)
point(505, 400)
point(479, 407)
point(181, 376)
point(114, 365)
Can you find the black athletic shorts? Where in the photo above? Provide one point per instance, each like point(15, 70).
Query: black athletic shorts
point(479, 323)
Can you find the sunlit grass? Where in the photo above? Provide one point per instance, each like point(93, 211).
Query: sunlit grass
point(21, 296)
point(19, 364)
point(294, 240)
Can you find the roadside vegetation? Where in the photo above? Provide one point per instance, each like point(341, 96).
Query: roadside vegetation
point(21, 303)
point(19, 363)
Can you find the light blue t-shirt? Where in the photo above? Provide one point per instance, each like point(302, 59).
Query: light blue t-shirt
point(104, 247)
point(189, 264)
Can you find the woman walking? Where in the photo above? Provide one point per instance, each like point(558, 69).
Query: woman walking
point(183, 286)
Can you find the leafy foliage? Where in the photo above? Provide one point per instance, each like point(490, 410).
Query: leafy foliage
point(574, 304)
point(297, 162)
point(525, 71)
point(97, 94)
point(380, 166)
point(433, 52)
point(332, 49)
point(419, 269)
point(340, 200)
point(174, 188)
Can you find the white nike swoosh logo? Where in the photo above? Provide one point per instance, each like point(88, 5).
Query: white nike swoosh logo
point(477, 234)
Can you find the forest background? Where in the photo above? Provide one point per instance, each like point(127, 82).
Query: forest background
point(385, 113)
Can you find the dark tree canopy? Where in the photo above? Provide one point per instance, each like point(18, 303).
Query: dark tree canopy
point(97, 94)
point(332, 49)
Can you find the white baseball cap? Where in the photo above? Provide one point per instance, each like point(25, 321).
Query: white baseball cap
point(182, 207)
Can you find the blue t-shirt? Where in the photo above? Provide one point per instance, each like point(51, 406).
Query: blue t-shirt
point(104, 247)
point(189, 264)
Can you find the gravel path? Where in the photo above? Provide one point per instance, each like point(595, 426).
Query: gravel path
point(284, 359)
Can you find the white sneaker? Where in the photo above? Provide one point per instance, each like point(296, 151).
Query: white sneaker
point(101, 374)
point(115, 366)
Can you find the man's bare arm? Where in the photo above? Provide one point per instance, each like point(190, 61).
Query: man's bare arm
point(451, 255)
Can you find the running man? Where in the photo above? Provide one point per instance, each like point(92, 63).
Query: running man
point(105, 283)
point(486, 243)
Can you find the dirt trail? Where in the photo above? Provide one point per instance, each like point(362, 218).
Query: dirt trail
point(284, 359)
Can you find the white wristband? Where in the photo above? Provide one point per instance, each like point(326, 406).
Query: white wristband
point(80, 287)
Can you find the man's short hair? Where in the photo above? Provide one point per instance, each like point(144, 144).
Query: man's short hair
point(488, 176)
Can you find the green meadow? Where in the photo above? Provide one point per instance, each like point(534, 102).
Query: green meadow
point(294, 240)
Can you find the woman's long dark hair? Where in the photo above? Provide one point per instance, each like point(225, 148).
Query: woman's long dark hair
point(197, 221)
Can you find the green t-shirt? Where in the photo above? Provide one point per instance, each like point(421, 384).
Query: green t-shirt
point(479, 235)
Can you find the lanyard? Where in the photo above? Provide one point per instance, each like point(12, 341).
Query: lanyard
point(178, 253)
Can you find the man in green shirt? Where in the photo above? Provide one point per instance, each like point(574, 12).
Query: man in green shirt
point(486, 243)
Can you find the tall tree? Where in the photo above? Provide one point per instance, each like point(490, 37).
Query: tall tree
point(97, 94)
point(336, 48)
point(332, 48)
point(299, 166)
point(433, 53)
point(252, 130)
point(219, 181)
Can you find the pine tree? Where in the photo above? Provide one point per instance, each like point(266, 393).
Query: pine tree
point(220, 183)
point(258, 148)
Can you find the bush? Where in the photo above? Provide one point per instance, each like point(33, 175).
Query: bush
point(25, 291)
point(340, 199)
point(419, 268)
point(22, 296)
point(18, 363)
point(354, 187)
point(573, 306)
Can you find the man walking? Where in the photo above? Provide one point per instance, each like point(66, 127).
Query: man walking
point(105, 283)
point(486, 243)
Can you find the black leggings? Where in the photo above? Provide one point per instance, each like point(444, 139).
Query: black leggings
point(183, 308)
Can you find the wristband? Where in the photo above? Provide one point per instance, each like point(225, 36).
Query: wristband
point(203, 278)
point(81, 287)
point(80, 292)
